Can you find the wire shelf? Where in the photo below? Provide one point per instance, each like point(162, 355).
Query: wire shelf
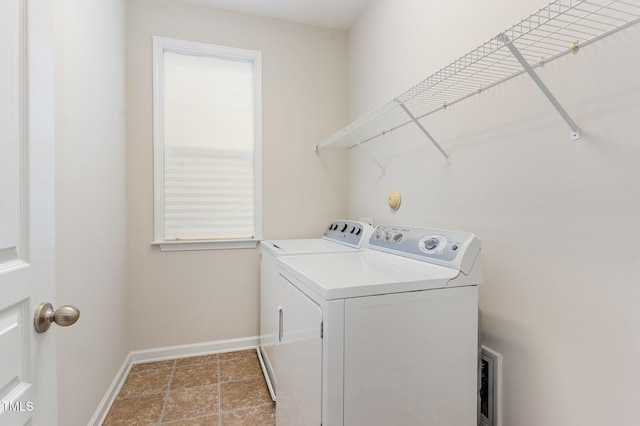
point(561, 27)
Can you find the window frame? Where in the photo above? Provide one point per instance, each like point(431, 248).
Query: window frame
point(160, 45)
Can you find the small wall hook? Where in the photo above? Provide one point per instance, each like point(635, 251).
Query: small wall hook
point(575, 47)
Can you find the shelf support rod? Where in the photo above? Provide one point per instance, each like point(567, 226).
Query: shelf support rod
point(421, 127)
point(575, 130)
point(379, 164)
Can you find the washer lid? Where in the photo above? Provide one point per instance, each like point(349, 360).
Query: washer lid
point(364, 273)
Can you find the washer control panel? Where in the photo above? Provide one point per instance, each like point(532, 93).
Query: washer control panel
point(350, 232)
point(446, 248)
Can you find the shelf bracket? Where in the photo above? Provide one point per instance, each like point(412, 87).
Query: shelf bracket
point(574, 134)
point(421, 127)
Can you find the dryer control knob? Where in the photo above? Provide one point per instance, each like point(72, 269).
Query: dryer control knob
point(430, 243)
point(398, 238)
point(388, 235)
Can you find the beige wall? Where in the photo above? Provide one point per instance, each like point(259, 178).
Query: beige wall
point(193, 297)
point(558, 219)
point(91, 224)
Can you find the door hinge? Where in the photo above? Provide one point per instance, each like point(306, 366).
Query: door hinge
point(322, 333)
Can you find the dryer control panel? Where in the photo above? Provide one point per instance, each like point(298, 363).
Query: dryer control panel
point(453, 249)
point(349, 232)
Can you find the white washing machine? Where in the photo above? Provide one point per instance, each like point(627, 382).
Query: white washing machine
point(383, 336)
point(339, 236)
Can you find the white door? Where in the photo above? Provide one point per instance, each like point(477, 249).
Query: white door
point(27, 358)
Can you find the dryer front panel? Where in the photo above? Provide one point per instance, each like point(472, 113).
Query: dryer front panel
point(298, 359)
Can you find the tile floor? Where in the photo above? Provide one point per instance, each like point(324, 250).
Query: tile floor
point(212, 390)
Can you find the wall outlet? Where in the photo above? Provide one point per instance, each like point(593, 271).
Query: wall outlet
point(490, 388)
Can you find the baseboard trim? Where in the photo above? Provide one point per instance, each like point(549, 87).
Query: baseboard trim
point(165, 353)
point(196, 349)
point(103, 408)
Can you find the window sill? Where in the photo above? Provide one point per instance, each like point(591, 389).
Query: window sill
point(205, 245)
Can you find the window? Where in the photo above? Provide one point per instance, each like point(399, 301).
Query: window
point(207, 145)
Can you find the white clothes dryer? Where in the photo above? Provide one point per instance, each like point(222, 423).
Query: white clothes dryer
point(339, 236)
point(383, 336)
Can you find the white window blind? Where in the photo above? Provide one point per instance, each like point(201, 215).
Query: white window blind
point(208, 127)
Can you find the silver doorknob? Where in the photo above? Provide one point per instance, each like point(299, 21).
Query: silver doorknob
point(63, 316)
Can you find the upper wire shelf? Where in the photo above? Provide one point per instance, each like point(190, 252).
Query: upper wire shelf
point(561, 27)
